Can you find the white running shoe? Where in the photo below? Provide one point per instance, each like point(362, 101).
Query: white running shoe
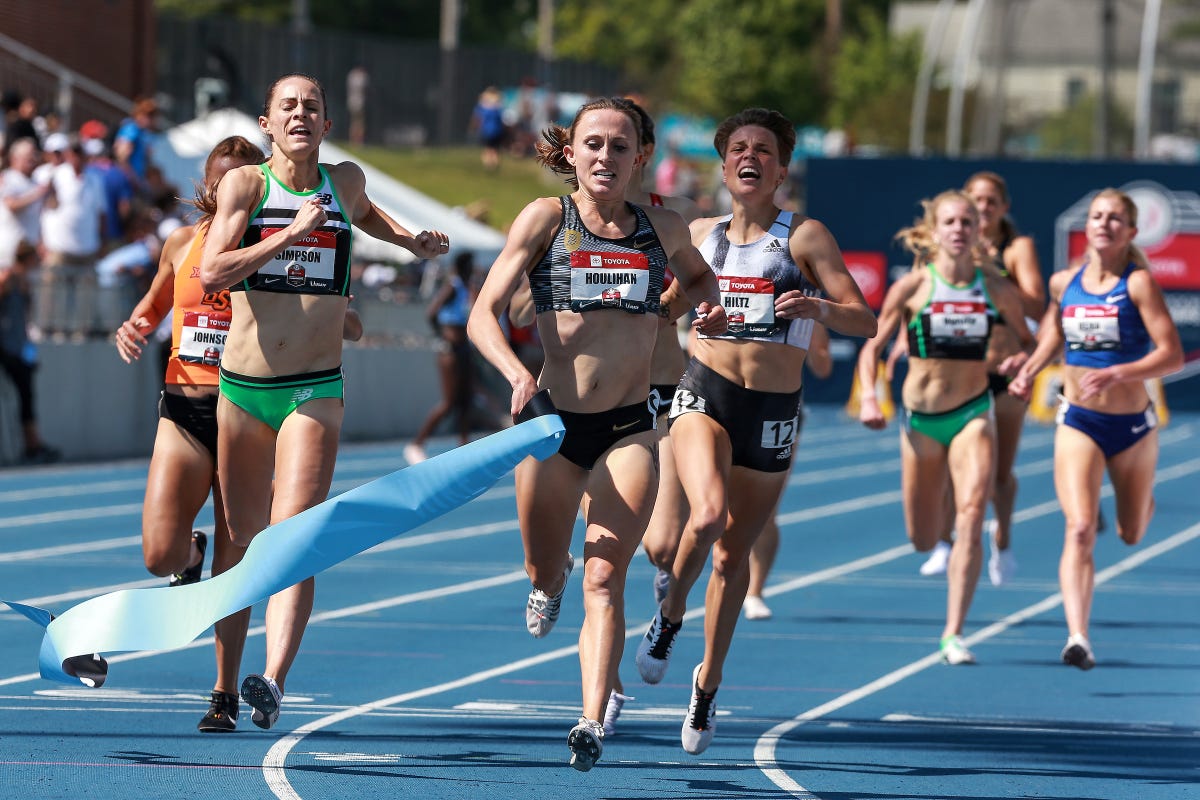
point(586, 741)
point(939, 559)
point(616, 701)
point(414, 453)
point(1002, 564)
point(1078, 652)
point(753, 607)
point(654, 651)
point(954, 652)
point(541, 610)
point(262, 694)
point(662, 582)
point(701, 721)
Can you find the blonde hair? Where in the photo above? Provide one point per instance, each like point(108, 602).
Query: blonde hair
point(1131, 210)
point(918, 237)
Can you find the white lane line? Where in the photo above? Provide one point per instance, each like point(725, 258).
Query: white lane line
point(765, 748)
point(324, 616)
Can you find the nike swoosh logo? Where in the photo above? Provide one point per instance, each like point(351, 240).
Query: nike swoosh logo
point(1113, 298)
point(626, 426)
point(1136, 429)
point(642, 242)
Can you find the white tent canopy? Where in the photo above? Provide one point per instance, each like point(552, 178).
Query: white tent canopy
point(182, 150)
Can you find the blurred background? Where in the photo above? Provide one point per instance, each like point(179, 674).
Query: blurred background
point(893, 102)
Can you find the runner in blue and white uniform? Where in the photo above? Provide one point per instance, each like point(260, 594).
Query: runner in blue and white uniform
point(948, 307)
point(595, 266)
point(280, 243)
point(1110, 314)
point(734, 415)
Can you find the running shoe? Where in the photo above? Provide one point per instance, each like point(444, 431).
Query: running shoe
point(1002, 564)
point(616, 701)
point(701, 721)
point(263, 695)
point(955, 652)
point(414, 453)
point(541, 610)
point(654, 651)
point(222, 714)
point(586, 741)
point(939, 559)
point(1078, 652)
point(662, 582)
point(192, 574)
point(753, 607)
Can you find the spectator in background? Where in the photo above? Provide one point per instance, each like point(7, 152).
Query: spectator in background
point(488, 121)
point(22, 122)
point(118, 188)
point(357, 81)
point(125, 273)
point(17, 354)
point(133, 146)
point(21, 194)
point(53, 150)
point(447, 314)
point(72, 235)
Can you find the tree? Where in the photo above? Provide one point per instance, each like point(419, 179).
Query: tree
point(873, 80)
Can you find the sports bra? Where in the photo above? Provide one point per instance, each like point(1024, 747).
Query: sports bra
point(751, 276)
point(1102, 329)
point(955, 322)
point(584, 272)
point(320, 264)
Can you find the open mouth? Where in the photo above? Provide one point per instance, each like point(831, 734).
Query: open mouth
point(749, 173)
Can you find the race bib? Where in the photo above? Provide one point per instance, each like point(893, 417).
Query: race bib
point(685, 401)
point(307, 263)
point(609, 280)
point(778, 434)
point(202, 337)
point(958, 320)
point(1091, 327)
point(749, 304)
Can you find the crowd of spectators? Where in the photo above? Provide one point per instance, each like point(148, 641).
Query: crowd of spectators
point(83, 214)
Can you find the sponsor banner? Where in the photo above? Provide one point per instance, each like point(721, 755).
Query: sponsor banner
point(869, 270)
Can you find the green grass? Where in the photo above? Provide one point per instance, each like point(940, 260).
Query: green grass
point(455, 176)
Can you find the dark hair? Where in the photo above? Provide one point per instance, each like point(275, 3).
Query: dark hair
point(776, 123)
point(647, 137)
point(550, 147)
point(271, 92)
point(1008, 230)
point(235, 147)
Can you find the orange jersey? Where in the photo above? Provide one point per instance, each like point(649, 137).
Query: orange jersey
point(200, 323)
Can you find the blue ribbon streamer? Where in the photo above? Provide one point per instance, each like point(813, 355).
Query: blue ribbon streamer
point(163, 618)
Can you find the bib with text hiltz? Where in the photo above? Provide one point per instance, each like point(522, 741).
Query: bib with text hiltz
point(609, 280)
point(202, 337)
point(749, 304)
point(308, 262)
point(958, 319)
point(1091, 327)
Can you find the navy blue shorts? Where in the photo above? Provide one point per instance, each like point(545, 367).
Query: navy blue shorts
point(1112, 433)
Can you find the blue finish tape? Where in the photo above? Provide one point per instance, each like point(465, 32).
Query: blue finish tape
point(162, 618)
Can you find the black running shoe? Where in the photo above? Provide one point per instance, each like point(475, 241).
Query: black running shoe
point(192, 574)
point(222, 714)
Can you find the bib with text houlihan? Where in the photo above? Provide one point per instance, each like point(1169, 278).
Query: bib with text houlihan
point(584, 272)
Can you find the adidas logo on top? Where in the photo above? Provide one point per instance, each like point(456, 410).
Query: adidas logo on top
point(774, 247)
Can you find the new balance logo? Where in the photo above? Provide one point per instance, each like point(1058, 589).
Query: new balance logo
point(324, 198)
point(775, 246)
point(302, 394)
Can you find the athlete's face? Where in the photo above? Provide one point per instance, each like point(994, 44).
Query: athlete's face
point(751, 163)
point(297, 116)
point(989, 202)
point(1108, 225)
point(955, 227)
point(603, 151)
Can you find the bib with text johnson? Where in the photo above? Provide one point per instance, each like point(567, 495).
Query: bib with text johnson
point(958, 319)
point(749, 304)
point(309, 261)
point(609, 280)
point(1092, 327)
point(202, 337)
